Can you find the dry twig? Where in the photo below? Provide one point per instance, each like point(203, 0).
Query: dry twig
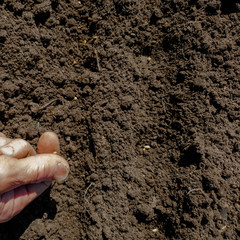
point(87, 191)
point(196, 189)
point(45, 105)
point(98, 64)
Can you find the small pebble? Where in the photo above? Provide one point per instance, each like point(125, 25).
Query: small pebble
point(147, 147)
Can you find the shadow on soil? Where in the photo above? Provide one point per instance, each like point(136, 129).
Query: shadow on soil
point(17, 226)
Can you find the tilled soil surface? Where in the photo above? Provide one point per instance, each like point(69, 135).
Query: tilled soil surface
point(145, 98)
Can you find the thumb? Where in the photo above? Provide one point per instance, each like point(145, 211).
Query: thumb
point(34, 169)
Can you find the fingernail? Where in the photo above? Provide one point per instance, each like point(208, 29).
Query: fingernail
point(61, 173)
point(9, 150)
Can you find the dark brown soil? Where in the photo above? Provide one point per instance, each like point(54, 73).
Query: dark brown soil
point(153, 136)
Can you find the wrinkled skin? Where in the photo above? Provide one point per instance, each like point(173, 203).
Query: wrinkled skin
point(25, 173)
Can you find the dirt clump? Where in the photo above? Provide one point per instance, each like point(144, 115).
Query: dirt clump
point(146, 107)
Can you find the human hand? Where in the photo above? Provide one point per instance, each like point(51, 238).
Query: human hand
point(25, 174)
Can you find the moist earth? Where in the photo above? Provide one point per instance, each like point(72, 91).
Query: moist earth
point(144, 96)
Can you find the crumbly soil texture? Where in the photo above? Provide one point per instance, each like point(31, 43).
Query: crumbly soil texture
point(144, 96)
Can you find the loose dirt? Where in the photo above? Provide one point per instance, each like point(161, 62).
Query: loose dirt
point(146, 105)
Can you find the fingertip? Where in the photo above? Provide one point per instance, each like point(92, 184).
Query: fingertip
point(48, 143)
point(62, 172)
point(4, 140)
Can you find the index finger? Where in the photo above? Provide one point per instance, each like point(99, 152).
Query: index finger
point(17, 148)
point(3, 139)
